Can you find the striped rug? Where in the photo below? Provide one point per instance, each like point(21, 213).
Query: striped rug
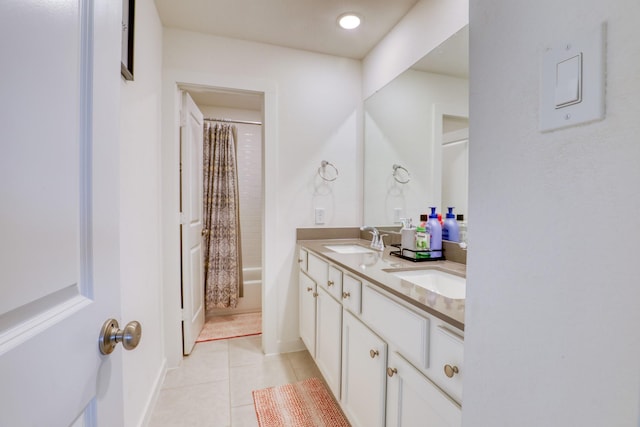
point(303, 404)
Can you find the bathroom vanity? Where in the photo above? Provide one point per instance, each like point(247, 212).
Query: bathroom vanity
point(386, 333)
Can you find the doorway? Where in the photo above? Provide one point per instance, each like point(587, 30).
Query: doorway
point(244, 111)
point(173, 80)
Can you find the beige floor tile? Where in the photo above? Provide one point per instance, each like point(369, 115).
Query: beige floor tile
point(245, 351)
point(303, 365)
point(208, 362)
point(269, 372)
point(200, 405)
point(244, 416)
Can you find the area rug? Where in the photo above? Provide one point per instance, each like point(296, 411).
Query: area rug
point(304, 404)
point(231, 326)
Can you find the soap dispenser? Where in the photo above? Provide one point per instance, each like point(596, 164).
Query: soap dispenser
point(435, 231)
point(450, 229)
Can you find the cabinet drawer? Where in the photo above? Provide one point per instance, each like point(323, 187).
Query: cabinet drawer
point(333, 285)
point(407, 330)
point(351, 294)
point(447, 348)
point(317, 268)
point(302, 259)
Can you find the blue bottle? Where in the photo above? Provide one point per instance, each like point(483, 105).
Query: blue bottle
point(435, 230)
point(450, 230)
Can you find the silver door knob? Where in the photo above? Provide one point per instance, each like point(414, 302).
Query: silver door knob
point(111, 335)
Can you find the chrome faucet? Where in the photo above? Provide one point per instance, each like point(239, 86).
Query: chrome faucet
point(377, 242)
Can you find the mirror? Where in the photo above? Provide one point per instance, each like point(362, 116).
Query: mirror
point(416, 138)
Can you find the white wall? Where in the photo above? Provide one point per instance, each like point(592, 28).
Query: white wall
point(140, 215)
point(312, 113)
point(552, 321)
point(423, 28)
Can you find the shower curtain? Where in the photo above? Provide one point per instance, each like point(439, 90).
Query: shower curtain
point(221, 231)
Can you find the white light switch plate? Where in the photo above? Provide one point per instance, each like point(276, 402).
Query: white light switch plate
point(319, 220)
point(590, 105)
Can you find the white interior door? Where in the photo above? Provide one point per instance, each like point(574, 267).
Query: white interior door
point(191, 139)
point(59, 247)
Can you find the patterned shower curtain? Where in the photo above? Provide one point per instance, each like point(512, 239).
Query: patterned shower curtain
point(221, 234)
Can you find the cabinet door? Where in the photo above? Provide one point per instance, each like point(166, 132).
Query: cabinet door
point(307, 304)
point(329, 339)
point(414, 401)
point(364, 357)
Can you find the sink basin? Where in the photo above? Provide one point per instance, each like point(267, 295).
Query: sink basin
point(445, 284)
point(349, 249)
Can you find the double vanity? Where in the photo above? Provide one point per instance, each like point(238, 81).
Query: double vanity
point(386, 333)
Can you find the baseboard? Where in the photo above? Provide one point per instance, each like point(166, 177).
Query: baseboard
point(289, 346)
point(153, 396)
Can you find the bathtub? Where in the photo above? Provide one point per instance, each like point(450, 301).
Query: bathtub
point(252, 299)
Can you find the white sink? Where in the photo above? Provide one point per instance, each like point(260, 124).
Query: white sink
point(445, 284)
point(349, 249)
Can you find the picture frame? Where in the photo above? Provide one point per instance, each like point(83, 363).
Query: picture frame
point(128, 20)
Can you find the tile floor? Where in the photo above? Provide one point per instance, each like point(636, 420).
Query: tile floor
point(213, 385)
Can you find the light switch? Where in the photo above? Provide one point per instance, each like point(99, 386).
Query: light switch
point(572, 80)
point(569, 81)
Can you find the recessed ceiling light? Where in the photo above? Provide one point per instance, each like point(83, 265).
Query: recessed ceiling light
point(349, 21)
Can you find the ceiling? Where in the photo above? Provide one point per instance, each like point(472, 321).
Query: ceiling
point(300, 24)
point(307, 25)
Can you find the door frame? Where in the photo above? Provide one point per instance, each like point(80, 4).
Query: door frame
point(172, 314)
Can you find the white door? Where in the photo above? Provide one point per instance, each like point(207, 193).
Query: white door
point(59, 246)
point(191, 135)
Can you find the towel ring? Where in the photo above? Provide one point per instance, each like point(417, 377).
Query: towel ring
point(396, 174)
point(322, 171)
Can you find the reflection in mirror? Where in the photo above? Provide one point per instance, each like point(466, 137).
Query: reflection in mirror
point(455, 163)
point(405, 124)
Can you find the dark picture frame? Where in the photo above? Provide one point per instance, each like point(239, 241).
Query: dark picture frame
point(128, 19)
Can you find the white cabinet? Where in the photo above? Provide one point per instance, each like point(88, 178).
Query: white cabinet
point(329, 339)
point(351, 294)
point(414, 401)
point(351, 326)
point(307, 312)
point(447, 360)
point(364, 357)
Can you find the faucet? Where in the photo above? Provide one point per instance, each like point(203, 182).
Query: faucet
point(377, 242)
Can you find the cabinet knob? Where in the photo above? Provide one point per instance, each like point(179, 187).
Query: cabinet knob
point(309, 288)
point(315, 295)
point(300, 261)
point(450, 371)
point(346, 295)
point(391, 371)
point(330, 283)
point(373, 353)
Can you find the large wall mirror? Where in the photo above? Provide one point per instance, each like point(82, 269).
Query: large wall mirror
point(417, 138)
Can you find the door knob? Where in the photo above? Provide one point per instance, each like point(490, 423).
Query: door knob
point(111, 335)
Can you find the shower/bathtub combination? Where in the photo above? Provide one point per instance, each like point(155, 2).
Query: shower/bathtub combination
point(252, 299)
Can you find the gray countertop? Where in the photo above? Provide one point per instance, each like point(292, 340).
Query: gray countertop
point(371, 266)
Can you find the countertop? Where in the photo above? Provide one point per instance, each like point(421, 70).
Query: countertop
point(371, 266)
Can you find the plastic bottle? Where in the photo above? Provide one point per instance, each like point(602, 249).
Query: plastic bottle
point(462, 226)
point(422, 243)
point(450, 230)
point(435, 230)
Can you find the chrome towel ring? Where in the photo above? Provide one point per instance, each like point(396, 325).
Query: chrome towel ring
point(401, 174)
point(322, 171)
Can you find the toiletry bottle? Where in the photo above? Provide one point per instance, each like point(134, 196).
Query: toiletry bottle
point(450, 229)
point(462, 226)
point(435, 230)
point(422, 243)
